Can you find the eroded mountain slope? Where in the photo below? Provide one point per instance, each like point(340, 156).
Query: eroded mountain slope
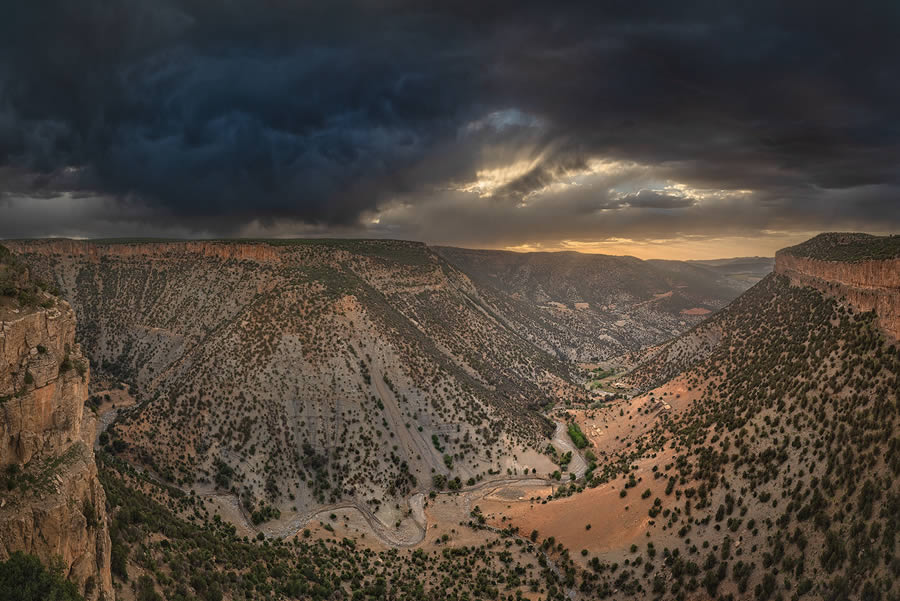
point(308, 372)
point(858, 269)
point(587, 307)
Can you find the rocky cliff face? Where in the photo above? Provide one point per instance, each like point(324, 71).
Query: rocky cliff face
point(866, 285)
point(51, 502)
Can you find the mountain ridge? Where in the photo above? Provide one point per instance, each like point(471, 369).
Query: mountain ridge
point(861, 268)
point(760, 443)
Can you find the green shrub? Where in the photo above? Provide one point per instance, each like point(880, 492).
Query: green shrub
point(118, 560)
point(577, 436)
point(24, 578)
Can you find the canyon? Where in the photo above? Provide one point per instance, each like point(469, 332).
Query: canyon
point(362, 399)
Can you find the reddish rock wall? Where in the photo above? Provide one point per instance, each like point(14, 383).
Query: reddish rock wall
point(866, 285)
point(56, 507)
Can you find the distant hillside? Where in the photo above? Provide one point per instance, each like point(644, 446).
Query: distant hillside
point(741, 269)
point(307, 372)
point(587, 307)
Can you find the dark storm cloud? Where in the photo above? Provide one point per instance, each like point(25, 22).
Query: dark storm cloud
point(212, 115)
point(654, 199)
point(231, 112)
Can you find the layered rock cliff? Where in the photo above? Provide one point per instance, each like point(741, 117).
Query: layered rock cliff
point(865, 282)
point(51, 502)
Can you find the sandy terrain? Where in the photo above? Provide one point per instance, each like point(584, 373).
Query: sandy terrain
point(615, 522)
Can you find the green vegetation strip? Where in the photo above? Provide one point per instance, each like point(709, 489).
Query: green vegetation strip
point(577, 436)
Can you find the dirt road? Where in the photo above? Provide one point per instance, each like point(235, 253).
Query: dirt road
point(388, 535)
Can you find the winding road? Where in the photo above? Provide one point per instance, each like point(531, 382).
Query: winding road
point(415, 502)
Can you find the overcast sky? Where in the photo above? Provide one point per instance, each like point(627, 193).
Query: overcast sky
point(660, 129)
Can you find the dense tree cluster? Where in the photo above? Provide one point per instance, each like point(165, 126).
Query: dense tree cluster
point(25, 578)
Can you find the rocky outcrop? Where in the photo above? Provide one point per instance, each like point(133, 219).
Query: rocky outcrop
point(43, 409)
point(51, 501)
point(866, 285)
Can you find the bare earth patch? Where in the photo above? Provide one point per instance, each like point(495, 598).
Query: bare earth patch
point(615, 522)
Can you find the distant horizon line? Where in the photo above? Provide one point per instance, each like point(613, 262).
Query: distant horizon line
point(250, 240)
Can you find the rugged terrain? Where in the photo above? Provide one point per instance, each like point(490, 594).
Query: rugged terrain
point(761, 455)
point(858, 269)
point(587, 307)
point(740, 269)
point(755, 455)
point(308, 373)
point(864, 270)
point(51, 502)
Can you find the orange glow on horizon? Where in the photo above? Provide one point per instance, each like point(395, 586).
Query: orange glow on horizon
point(677, 249)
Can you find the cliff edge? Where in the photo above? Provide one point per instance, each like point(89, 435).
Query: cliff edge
point(51, 502)
point(863, 270)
